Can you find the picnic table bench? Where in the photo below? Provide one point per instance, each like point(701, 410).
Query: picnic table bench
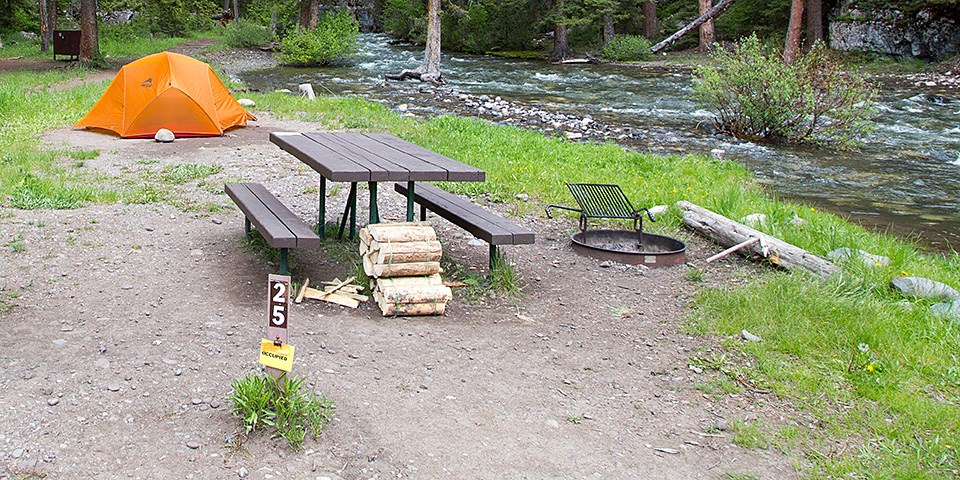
point(281, 228)
point(482, 223)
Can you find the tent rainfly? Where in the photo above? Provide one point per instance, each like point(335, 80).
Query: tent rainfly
point(166, 90)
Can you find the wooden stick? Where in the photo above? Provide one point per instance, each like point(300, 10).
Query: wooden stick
point(339, 286)
point(734, 248)
point(303, 289)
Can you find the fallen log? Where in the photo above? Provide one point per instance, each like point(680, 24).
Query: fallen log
point(708, 15)
point(728, 233)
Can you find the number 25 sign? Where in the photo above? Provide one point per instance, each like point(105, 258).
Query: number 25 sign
point(279, 305)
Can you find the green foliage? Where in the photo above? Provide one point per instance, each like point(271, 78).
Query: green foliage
point(627, 48)
point(175, 18)
point(19, 15)
point(247, 34)
point(406, 19)
point(758, 96)
point(260, 401)
point(335, 39)
point(282, 15)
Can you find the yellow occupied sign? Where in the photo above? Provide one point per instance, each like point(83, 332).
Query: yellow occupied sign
point(280, 357)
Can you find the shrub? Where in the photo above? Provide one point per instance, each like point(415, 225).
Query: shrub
point(247, 34)
point(758, 96)
point(627, 48)
point(334, 39)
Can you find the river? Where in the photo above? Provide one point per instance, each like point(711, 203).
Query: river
point(905, 180)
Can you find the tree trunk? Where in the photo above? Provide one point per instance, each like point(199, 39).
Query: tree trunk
point(714, 12)
point(226, 5)
point(561, 45)
point(309, 10)
point(706, 28)
point(793, 31)
point(429, 69)
point(45, 34)
point(51, 17)
point(431, 54)
point(89, 40)
point(649, 9)
point(236, 9)
point(608, 31)
point(814, 21)
point(727, 233)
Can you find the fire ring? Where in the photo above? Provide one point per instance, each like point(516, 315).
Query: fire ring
point(622, 246)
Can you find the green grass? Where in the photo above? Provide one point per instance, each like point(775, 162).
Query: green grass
point(184, 172)
point(261, 402)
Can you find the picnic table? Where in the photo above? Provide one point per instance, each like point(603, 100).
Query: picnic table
point(371, 158)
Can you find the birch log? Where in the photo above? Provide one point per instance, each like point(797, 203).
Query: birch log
point(727, 233)
point(405, 252)
point(416, 269)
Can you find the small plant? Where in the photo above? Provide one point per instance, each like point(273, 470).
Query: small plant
point(693, 274)
point(244, 33)
point(334, 39)
point(759, 96)
point(575, 419)
point(16, 245)
point(6, 299)
point(627, 48)
point(503, 277)
point(261, 401)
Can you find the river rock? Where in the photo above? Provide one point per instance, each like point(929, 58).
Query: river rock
point(924, 287)
point(657, 210)
point(750, 337)
point(247, 103)
point(717, 153)
point(164, 136)
point(868, 259)
point(948, 311)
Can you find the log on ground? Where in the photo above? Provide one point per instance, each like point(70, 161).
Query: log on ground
point(728, 233)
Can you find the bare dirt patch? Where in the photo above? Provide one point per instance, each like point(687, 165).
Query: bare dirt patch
point(132, 321)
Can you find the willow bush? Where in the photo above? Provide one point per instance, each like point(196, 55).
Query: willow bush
point(756, 95)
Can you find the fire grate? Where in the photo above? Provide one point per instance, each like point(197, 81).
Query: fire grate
point(603, 201)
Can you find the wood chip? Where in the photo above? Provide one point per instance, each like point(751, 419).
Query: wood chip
point(306, 283)
point(671, 451)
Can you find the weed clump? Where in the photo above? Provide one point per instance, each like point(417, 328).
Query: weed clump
point(261, 401)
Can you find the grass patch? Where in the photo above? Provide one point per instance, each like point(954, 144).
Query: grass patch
point(16, 244)
point(260, 401)
point(7, 298)
point(184, 172)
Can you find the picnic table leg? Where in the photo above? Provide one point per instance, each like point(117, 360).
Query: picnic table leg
point(322, 216)
point(410, 201)
point(353, 210)
point(246, 228)
point(494, 257)
point(283, 261)
point(374, 214)
point(349, 211)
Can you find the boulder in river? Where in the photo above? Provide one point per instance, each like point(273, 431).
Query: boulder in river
point(925, 288)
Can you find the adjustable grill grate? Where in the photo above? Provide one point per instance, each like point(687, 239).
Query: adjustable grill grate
point(602, 200)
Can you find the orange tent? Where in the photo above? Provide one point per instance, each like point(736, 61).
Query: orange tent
point(166, 90)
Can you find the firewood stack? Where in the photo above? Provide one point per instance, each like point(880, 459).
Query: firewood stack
point(403, 261)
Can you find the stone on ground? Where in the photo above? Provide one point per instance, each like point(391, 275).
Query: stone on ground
point(868, 259)
point(925, 288)
point(164, 136)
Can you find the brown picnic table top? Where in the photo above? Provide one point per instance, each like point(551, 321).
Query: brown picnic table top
point(372, 158)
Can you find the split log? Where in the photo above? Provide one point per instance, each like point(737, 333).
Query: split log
point(411, 309)
point(408, 281)
point(728, 233)
point(415, 294)
point(405, 252)
point(714, 12)
point(376, 270)
point(397, 232)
